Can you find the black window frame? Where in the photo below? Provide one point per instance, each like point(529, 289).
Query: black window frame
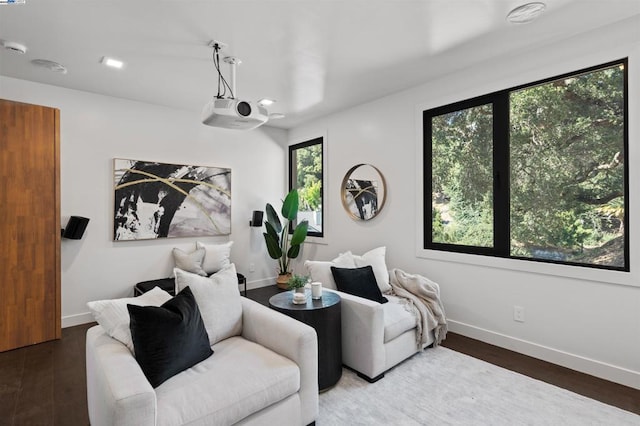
point(501, 171)
point(292, 176)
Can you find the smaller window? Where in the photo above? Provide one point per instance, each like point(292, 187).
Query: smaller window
point(306, 175)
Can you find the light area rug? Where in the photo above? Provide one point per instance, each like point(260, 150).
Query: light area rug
point(442, 387)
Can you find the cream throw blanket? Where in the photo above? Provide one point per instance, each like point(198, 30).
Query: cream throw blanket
point(424, 295)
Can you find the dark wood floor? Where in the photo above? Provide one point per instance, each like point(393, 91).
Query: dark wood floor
point(45, 384)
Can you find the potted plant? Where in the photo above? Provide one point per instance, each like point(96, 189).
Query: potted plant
point(297, 282)
point(280, 244)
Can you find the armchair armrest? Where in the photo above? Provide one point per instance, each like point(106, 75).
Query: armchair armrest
point(118, 393)
point(292, 339)
point(362, 335)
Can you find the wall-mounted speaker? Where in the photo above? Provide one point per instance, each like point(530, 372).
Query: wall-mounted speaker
point(256, 218)
point(75, 227)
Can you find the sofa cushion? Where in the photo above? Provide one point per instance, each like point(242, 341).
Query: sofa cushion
point(358, 282)
point(113, 316)
point(320, 271)
point(216, 257)
point(240, 379)
point(170, 338)
point(376, 259)
point(218, 298)
point(397, 319)
point(190, 262)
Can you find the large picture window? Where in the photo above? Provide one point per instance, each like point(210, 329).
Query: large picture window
point(536, 172)
point(305, 175)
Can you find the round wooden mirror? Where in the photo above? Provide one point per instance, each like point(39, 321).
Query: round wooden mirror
point(363, 192)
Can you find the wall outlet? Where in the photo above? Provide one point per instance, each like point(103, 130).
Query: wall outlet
point(252, 267)
point(518, 313)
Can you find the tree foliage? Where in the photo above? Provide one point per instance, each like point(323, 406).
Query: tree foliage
point(309, 176)
point(462, 150)
point(566, 155)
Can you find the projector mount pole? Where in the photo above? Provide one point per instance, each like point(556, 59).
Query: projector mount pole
point(233, 63)
point(231, 60)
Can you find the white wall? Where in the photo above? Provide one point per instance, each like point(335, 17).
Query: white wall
point(94, 130)
point(586, 320)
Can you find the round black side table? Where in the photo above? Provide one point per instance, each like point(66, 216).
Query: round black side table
point(324, 316)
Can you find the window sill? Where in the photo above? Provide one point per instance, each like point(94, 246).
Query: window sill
point(575, 272)
point(316, 240)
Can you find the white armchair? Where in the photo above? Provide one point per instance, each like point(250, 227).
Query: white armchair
point(265, 373)
point(375, 336)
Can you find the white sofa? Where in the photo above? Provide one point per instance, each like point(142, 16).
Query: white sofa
point(268, 374)
point(375, 336)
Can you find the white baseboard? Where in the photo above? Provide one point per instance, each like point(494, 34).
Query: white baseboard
point(77, 319)
point(585, 365)
point(264, 282)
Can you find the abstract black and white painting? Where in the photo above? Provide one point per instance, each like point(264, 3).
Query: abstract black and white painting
point(362, 198)
point(159, 200)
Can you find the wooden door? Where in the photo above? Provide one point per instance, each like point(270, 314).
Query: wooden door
point(29, 224)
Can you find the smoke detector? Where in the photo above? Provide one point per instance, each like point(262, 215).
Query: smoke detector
point(14, 46)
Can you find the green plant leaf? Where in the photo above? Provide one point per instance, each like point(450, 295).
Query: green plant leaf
point(300, 233)
point(272, 246)
point(271, 231)
point(293, 252)
point(273, 219)
point(290, 205)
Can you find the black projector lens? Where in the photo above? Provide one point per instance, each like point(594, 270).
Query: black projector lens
point(244, 109)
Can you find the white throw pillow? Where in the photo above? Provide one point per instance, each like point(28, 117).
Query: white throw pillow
point(321, 271)
point(376, 258)
point(218, 299)
point(113, 315)
point(190, 262)
point(216, 257)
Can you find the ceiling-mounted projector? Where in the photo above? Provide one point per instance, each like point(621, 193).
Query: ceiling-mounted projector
point(234, 114)
point(227, 111)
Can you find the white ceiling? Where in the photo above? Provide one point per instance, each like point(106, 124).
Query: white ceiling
point(313, 56)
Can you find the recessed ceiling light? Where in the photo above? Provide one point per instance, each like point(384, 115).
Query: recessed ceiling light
point(112, 62)
point(13, 46)
point(526, 13)
point(50, 65)
point(266, 102)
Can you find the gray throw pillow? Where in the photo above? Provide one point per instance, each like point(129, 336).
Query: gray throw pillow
point(190, 262)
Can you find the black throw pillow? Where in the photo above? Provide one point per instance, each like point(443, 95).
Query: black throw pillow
point(170, 338)
point(359, 282)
